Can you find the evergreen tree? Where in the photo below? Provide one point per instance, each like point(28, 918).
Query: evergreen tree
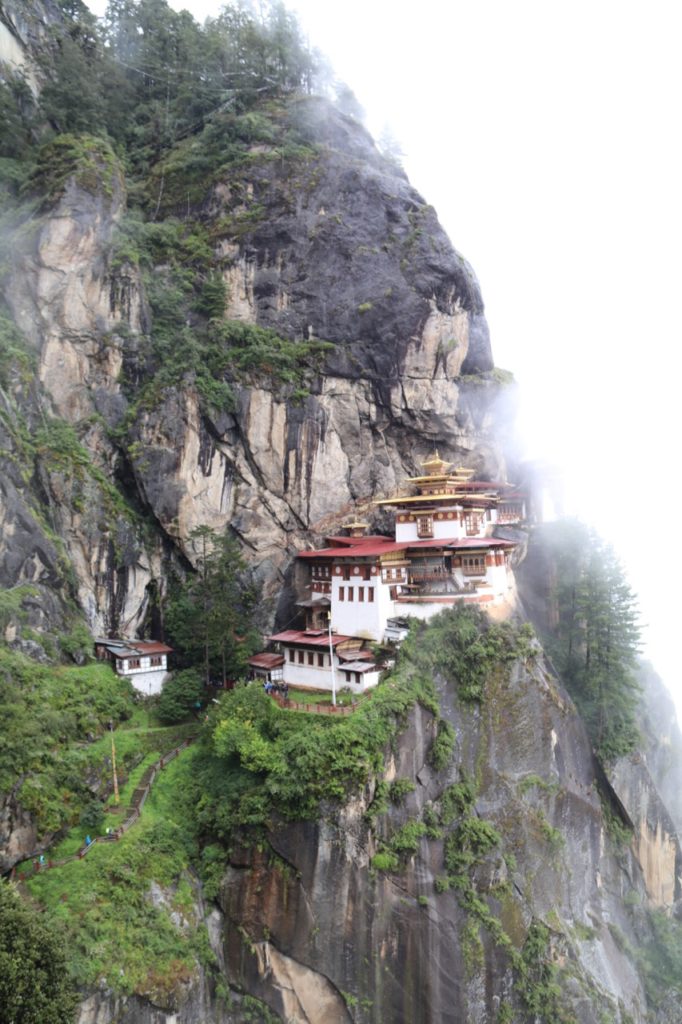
point(597, 635)
point(208, 617)
point(34, 985)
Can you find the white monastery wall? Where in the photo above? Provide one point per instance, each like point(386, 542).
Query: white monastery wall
point(356, 618)
point(149, 682)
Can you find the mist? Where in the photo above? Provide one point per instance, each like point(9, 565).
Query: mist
point(544, 136)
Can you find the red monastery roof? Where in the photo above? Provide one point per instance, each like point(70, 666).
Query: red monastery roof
point(352, 541)
point(151, 647)
point(314, 638)
point(368, 549)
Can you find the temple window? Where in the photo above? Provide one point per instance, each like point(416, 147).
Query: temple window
point(425, 526)
point(473, 565)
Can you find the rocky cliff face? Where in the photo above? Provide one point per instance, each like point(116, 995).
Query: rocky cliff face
point(341, 248)
point(320, 923)
point(98, 500)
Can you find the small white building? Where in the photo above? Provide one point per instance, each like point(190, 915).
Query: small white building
point(309, 656)
point(144, 662)
point(267, 667)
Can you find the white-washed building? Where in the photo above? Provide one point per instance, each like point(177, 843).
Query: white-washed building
point(443, 552)
point(144, 662)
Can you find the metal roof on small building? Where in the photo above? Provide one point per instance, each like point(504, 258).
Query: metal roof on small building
point(314, 638)
point(266, 660)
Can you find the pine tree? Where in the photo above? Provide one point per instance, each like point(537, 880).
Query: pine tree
point(596, 641)
point(208, 617)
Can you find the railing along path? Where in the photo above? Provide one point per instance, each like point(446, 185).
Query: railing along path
point(133, 813)
point(317, 709)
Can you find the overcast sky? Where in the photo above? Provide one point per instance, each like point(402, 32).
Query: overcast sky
point(546, 135)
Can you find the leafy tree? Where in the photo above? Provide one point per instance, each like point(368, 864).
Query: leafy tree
point(180, 695)
point(35, 987)
point(209, 615)
point(596, 638)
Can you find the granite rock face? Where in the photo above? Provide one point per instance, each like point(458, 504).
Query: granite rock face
point(394, 948)
point(343, 249)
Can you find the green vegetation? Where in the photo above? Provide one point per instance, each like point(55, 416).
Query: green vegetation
point(181, 696)
point(402, 845)
point(442, 746)
point(398, 790)
point(88, 160)
point(595, 644)
point(155, 77)
point(661, 957)
point(35, 987)
point(208, 614)
point(190, 340)
point(271, 761)
point(16, 360)
point(178, 107)
point(533, 781)
point(465, 646)
point(497, 376)
point(537, 980)
point(46, 715)
point(111, 926)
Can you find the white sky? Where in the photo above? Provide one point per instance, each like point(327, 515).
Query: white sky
point(546, 135)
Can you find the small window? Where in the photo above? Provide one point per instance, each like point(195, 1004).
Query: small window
point(311, 658)
point(424, 526)
point(320, 659)
point(361, 593)
point(358, 677)
point(394, 593)
point(292, 655)
point(370, 594)
point(300, 657)
point(350, 593)
point(342, 593)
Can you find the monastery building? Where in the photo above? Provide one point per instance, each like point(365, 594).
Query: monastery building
point(362, 587)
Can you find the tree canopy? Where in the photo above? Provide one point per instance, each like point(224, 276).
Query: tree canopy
point(208, 615)
point(154, 75)
point(35, 987)
point(181, 695)
point(596, 639)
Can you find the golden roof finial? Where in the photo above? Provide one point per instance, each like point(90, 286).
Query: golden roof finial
point(434, 465)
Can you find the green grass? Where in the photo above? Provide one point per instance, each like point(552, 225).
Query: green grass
point(321, 696)
point(47, 717)
point(111, 928)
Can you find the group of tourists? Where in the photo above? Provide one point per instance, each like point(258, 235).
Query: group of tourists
point(280, 689)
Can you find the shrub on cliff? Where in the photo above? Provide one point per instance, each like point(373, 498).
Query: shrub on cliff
point(35, 987)
point(595, 642)
point(181, 696)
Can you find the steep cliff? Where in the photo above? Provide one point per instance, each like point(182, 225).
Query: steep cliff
point(424, 942)
point(340, 247)
point(260, 333)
